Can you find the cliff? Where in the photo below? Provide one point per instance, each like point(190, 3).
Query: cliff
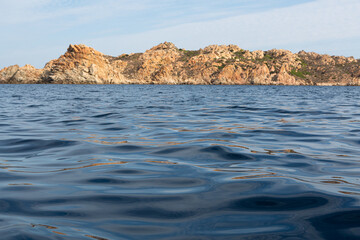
point(167, 64)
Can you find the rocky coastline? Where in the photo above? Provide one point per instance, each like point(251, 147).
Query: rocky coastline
point(212, 65)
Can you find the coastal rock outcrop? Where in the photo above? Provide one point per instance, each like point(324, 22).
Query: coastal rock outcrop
point(167, 64)
point(81, 65)
point(20, 75)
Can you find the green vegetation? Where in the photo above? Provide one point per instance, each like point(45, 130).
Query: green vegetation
point(230, 61)
point(268, 57)
point(303, 71)
point(189, 54)
point(299, 73)
point(240, 54)
point(303, 63)
point(127, 57)
point(221, 67)
point(123, 57)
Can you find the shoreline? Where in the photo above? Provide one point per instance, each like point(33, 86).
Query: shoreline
point(225, 85)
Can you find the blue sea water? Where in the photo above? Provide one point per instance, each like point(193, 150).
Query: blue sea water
point(179, 162)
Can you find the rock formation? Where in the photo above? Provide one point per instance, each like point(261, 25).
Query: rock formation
point(16, 74)
point(167, 64)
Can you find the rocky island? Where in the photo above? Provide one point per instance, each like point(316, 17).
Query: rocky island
point(167, 64)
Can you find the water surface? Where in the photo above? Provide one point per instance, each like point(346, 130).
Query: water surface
point(179, 162)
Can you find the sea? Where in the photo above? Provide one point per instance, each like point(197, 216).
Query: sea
point(179, 162)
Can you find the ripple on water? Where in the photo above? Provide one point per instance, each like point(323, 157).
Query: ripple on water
point(276, 204)
point(200, 154)
point(20, 146)
point(179, 162)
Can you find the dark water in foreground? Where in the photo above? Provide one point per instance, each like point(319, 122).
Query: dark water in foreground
point(179, 162)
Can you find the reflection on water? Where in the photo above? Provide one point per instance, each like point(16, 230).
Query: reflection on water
point(179, 162)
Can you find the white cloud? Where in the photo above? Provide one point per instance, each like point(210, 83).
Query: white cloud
point(29, 11)
point(298, 25)
point(33, 28)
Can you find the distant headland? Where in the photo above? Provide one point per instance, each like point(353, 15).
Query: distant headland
point(212, 65)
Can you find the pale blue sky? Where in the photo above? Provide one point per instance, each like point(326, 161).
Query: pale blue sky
point(36, 31)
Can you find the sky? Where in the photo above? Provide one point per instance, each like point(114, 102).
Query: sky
point(36, 31)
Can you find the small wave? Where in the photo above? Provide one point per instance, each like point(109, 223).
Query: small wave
point(32, 145)
point(193, 153)
point(105, 115)
point(276, 204)
point(286, 133)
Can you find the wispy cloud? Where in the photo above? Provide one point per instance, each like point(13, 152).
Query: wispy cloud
point(295, 27)
point(35, 11)
point(153, 13)
point(46, 27)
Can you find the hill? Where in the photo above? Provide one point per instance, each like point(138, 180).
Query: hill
point(212, 65)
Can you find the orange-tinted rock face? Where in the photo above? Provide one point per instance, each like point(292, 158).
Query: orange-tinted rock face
point(167, 64)
point(7, 73)
point(232, 74)
point(81, 64)
point(21, 75)
point(260, 75)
